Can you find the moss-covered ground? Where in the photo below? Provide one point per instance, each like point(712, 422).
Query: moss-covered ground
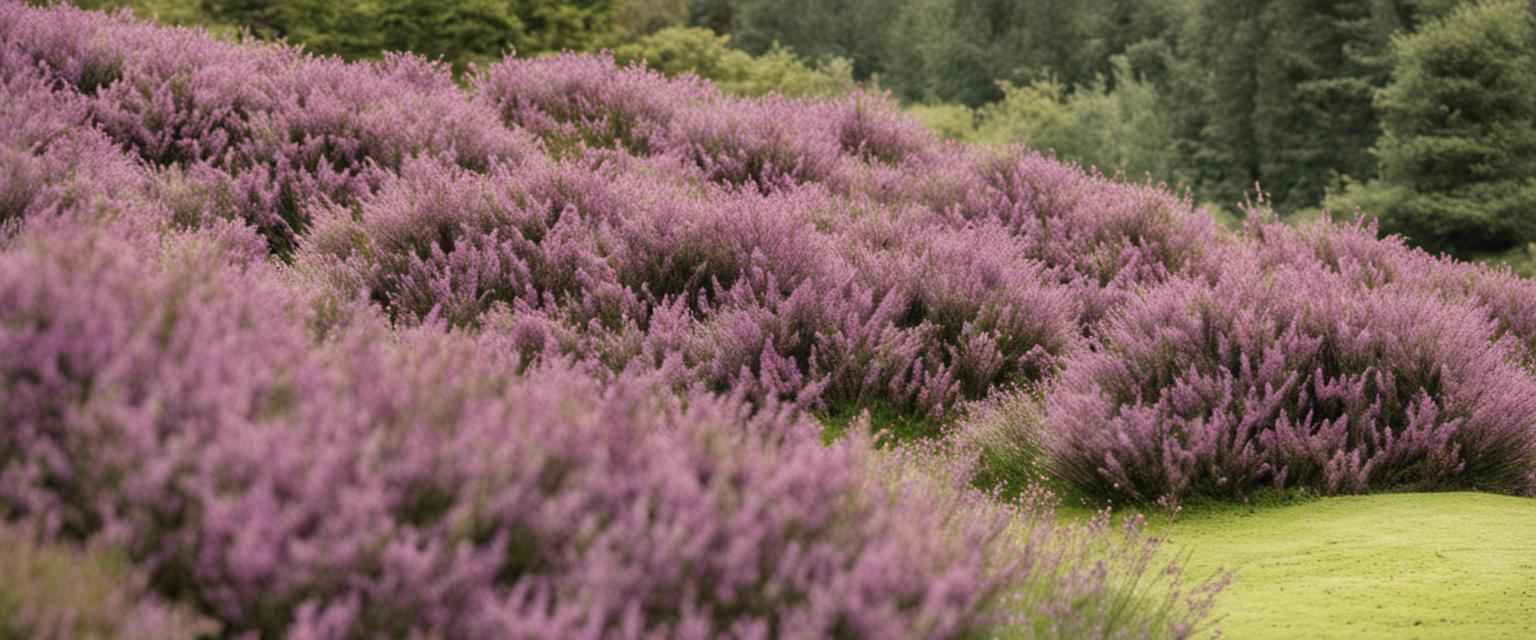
point(1436, 565)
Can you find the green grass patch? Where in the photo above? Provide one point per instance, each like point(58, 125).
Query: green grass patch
point(1436, 565)
point(889, 425)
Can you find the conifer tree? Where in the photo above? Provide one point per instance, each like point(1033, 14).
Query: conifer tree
point(1458, 154)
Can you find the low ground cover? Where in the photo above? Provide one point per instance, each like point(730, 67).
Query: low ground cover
point(1413, 565)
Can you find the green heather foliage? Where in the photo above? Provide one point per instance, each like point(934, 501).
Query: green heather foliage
point(62, 591)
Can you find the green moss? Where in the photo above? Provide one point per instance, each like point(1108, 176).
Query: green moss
point(1437, 565)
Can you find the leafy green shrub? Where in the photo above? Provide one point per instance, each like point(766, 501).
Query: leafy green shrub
point(1113, 124)
point(638, 17)
point(678, 50)
point(947, 120)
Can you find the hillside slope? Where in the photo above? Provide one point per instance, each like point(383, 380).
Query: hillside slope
point(333, 349)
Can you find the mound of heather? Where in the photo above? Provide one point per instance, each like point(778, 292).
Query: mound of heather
point(1290, 377)
point(263, 130)
point(1323, 359)
point(414, 483)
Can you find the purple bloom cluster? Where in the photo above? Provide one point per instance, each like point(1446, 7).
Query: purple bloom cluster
point(1322, 358)
point(382, 482)
point(265, 128)
point(770, 295)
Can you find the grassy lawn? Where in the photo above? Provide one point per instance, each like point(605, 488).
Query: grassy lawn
point(1440, 565)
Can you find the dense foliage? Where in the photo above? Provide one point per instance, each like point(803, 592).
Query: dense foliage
point(331, 349)
point(318, 349)
point(1294, 371)
point(679, 50)
point(1458, 159)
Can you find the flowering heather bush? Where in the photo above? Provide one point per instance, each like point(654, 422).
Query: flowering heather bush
point(395, 483)
point(51, 164)
point(774, 143)
point(1287, 376)
point(739, 292)
point(1354, 252)
point(1106, 238)
point(410, 484)
point(570, 98)
point(270, 127)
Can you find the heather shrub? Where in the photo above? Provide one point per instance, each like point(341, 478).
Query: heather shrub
point(985, 299)
point(1290, 377)
point(871, 315)
point(1106, 231)
point(737, 291)
point(1105, 239)
point(99, 349)
point(276, 128)
point(774, 143)
point(435, 240)
point(51, 164)
point(571, 99)
point(1355, 253)
point(375, 484)
point(583, 103)
point(759, 144)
